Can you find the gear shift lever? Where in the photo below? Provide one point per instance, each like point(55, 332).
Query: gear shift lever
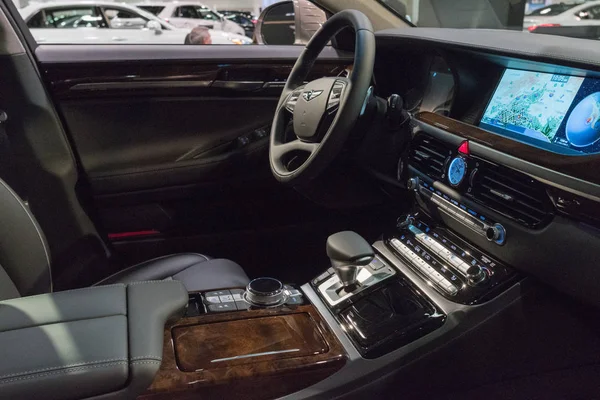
point(348, 252)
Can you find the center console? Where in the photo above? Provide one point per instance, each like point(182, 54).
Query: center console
point(376, 303)
point(262, 341)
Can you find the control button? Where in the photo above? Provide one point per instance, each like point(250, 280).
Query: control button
point(445, 253)
point(476, 275)
point(237, 297)
point(223, 307)
point(376, 264)
point(226, 298)
point(412, 184)
point(437, 276)
point(217, 293)
point(212, 299)
point(294, 301)
point(414, 229)
point(242, 305)
point(237, 294)
point(487, 261)
point(265, 292)
point(450, 288)
point(427, 269)
point(496, 234)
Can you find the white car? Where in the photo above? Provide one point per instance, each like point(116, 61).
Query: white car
point(106, 22)
point(190, 15)
point(564, 14)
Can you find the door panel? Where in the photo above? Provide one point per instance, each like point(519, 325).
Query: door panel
point(145, 143)
point(173, 141)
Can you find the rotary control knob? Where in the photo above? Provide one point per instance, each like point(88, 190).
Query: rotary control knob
point(265, 292)
point(412, 184)
point(476, 275)
point(496, 233)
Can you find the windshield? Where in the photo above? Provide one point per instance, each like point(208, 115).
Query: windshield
point(575, 19)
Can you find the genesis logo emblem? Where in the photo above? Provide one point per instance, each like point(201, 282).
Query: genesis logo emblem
point(311, 94)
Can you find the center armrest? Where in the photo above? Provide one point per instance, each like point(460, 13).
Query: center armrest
point(85, 342)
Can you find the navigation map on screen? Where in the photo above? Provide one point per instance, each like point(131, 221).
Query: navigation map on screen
point(532, 103)
point(559, 113)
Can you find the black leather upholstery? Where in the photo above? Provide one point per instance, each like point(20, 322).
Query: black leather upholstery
point(195, 271)
point(25, 260)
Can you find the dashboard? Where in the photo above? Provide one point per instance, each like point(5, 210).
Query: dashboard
point(505, 147)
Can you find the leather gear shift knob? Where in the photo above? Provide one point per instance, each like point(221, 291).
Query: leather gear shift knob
point(348, 252)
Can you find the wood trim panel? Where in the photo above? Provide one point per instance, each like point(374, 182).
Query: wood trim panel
point(583, 167)
point(260, 378)
point(244, 341)
point(174, 78)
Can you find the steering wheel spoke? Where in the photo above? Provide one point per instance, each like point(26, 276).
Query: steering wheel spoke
point(280, 150)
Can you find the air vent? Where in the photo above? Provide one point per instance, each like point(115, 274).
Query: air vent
point(429, 156)
point(510, 193)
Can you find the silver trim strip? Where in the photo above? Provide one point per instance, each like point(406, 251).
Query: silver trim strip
point(266, 353)
point(138, 85)
point(238, 85)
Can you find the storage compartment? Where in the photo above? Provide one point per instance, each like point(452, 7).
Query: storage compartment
point(246, 341)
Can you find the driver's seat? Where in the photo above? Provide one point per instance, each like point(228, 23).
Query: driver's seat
point(25, 267)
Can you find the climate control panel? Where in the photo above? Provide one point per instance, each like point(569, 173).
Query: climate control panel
point(456, 269)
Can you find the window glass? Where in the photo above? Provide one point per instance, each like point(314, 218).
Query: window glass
point(152, 9)
point(595, 12)
point(176, 22)
point(70, 18)
point(204, 13)
point(572, 18)
point(186, 12)
point(552, 10)
point(119, 18)
point(239, 19)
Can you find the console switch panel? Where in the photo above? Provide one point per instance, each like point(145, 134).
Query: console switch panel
point(456, 269)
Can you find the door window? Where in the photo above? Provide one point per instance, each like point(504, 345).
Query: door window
point(206, 14)
point(119, 18)
point(68, 18)
point(278, 23)
point(186, 12)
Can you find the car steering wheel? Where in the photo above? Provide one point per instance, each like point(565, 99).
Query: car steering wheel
point(320, 113)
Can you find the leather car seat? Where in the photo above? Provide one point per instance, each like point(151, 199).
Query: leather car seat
point(25, 267)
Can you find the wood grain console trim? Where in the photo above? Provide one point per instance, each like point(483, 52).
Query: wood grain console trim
point(187, 371)
point(246, 341)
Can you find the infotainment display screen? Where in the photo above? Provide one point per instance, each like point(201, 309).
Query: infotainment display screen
point(560, 113)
